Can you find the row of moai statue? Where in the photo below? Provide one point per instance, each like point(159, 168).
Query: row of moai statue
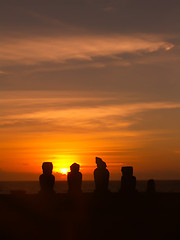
point(101, 179)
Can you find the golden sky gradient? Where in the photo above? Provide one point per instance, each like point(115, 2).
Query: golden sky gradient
point(73, 87)
point(69, 129)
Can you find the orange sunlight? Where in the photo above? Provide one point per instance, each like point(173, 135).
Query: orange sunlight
point(62, 163)
point(64, 171)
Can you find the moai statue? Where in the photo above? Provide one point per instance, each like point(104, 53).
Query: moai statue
point(151, 186)
point(74, 179)
point(101, 176)
point(46, 179)
point(128, 181)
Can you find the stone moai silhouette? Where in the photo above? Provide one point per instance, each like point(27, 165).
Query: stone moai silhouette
point(101, 176)
point(74, 179)
point(151, 186)
point(128, 181)
point(46, 179)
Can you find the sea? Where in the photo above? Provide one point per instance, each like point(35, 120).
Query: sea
point(32, 187)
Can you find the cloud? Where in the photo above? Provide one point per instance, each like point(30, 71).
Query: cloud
point(60, 175)
point(75, 115)
point(96, 111)
point(32, 51)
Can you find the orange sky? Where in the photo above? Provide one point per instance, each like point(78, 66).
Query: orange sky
point(73, 87)
point(37, 129)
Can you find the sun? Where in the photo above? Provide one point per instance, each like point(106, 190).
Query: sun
point(62, 163)
point(64, 170)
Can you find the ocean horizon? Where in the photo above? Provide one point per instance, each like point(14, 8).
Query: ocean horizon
point(32, 187)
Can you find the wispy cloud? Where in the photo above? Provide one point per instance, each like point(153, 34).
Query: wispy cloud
point(96, 111)
point(75, 115)
point(32, 51)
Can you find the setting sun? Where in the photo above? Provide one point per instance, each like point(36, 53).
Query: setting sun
point(62, 163)
point(64, 170)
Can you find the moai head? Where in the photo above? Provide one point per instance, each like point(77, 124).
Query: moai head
point(47, 167)
point(75, 167)
point(100, 163)
point(127, 171)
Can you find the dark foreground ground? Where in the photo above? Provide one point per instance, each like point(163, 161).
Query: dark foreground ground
point(89, 216)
